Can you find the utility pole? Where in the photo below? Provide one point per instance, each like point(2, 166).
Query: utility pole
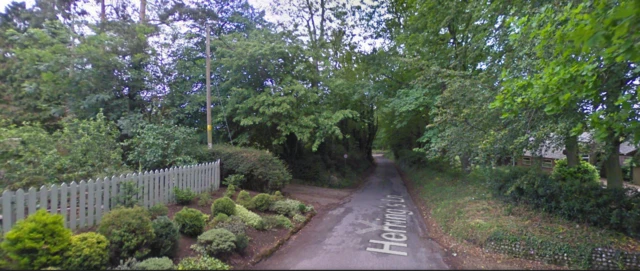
point(209, 128)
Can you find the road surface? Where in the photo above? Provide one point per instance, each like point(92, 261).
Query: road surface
point(378, 227)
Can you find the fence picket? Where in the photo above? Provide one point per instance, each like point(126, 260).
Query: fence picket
point(43, 201)
point(20, 205)
point(91, 188)
point(6, 210)
point(73, 205)
point(82, 194)
point(64, 197)
point(172, 184)
point(98, 196)
point(31, 201)
point(54, 199)
point(145, 189)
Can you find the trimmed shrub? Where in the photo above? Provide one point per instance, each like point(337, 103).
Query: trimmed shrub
point(244, 199)
point(190, 221)
point(261, 202)
point(202, 263)
point(299, 218)
point(167, 235)
point(223, 205)
point(262, 170)
point(183, 196)
point(288, 207)
point(234, 224)
point(163, 263)
point(302, 208)
point(38, 241)
point(583, 173)
point(88, 251)
point(158, 210)
point(250, 218)
point(129, 264)
point(277, 221)
point(129, 232)
point(242, 242)
point(217, 241)
point(277, 196)
point(231, 190)
point(220, 218)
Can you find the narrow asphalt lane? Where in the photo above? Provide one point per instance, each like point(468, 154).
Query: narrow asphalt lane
point(379, 227)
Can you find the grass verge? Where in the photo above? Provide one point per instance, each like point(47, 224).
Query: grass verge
point(464, 208)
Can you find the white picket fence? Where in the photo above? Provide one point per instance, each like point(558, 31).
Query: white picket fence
point(83, 204)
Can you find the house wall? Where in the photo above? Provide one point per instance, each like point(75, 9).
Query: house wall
point(536, 161)
point(636, 175)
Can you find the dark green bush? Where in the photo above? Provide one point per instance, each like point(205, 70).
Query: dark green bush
point(183, 196)
point(129, 231)
point(262, 170)
point(158, 210)
point(231, 190)
point(223, 205)
point(242, 242)
point(167, 235)
point(244, 199)
point(261, 202)
point(88, 251)
point(202, 263)
point(573, 195)
point(163, 263)
point(190, 221)
point(38, 241)
point(217, 241)
point(234, 224)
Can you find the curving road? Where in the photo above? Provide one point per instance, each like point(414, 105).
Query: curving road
point(379, 227)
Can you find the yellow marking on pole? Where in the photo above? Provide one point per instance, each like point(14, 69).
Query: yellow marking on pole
point(209, 128)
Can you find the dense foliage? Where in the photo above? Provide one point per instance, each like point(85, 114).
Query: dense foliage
point(261, 202)
point(166, 238)
point(190, 221)
point(217, 241)
point(129, 231)
point(87, 251)
point(39, 241)
point(223, 205)
point(163, 263)
point(202, 263)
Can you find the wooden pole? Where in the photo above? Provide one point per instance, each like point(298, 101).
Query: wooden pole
point(209, 128)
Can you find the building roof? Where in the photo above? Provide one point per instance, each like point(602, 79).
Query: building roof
point(548, 151)
point(627, 149)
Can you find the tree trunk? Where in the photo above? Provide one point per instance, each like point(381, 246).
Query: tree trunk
point(612, 164)
point(571, 144)
point(465, 161)
point(143, 9)
point(103, 12)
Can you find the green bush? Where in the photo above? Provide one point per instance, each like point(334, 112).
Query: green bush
point(250, 218)
point(190, 221)
point(156, 146)
point(278, 196)
point(299, 218)
point(129, 231)
point(167, 235)
point(223, 205)
point(158, 210)
point(262, 170)
point(163, 263)
point(234, 179)
point(128, 264)
point(261, 202)
point(288, 207)
point(220, 218)
point(88, 251)
point(244, 199)
point(583, 173)
point(231, 190)
point(277, 221)
point(183, 196)
point(234, 224)
point(573, 196)
point(204, 199)
point(242, 242)
point(38, 241)
point(202, 263)
point(302, 208)
point(217, 241)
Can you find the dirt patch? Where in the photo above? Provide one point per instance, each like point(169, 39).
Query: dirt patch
point(466, 255)
point(321, 198)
